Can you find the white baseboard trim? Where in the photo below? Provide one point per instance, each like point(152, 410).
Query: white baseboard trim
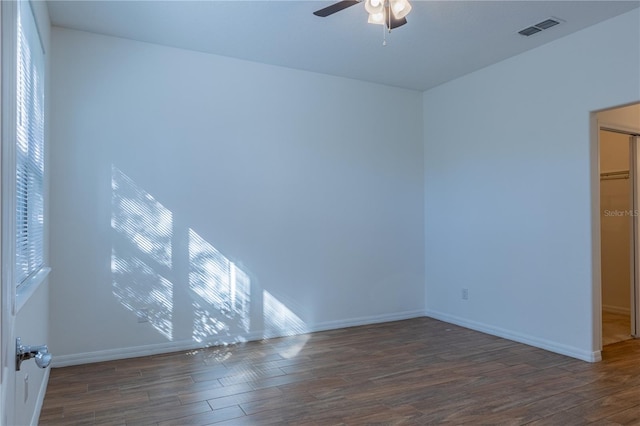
point(374, 319)
point(616, 310)
point(185, 345)
point(122, 353)
point(40, 400)
point(548, 345)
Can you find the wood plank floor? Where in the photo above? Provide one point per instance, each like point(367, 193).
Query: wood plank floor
point(413, 372)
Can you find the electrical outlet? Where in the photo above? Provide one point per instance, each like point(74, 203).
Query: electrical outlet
point(465, 294)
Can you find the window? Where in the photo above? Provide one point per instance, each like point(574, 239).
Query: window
point(29, 147)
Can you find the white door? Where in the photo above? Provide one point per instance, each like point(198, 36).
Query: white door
point(22, 202)
point(3, 339)
point(7, 291)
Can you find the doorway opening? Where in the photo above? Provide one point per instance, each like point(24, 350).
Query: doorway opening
point(619, 167)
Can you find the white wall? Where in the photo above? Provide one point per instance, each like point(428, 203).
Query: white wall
point(508, 187)
point(310, 184)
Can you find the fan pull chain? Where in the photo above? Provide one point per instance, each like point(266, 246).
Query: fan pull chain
point(384, 36)
point(384, 33)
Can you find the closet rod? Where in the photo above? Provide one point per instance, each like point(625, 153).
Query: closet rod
point(616, 173)
point(621, 174)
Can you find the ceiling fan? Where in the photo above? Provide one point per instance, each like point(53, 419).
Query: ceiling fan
point(391, 13)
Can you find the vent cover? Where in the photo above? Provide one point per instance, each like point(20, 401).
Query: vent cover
point(544, 25)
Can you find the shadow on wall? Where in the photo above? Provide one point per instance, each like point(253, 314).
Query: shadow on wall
point(172, 278)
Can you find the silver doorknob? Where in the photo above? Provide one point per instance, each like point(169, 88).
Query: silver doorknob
point(25, 352)
point(43, 359)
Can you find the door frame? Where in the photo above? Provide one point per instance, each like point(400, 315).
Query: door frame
point(634, 177)
point(634, 293)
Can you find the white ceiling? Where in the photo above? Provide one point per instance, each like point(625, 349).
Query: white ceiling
point(442, 40)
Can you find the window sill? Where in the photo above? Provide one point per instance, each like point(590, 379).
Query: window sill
point(26, 290)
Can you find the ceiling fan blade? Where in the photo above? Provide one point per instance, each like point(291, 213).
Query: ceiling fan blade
point(336, 7)
point(395, 22)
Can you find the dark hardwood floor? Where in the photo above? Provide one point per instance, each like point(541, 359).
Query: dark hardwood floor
point(414, 372)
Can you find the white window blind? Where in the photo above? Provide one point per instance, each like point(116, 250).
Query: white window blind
point(29, 147)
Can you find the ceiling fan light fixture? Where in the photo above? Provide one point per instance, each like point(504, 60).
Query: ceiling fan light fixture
point(400, 8)
point(376, 18)
point(389, 13)
point(374, 6)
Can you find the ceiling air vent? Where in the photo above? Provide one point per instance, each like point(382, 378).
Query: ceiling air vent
point(546, 24)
